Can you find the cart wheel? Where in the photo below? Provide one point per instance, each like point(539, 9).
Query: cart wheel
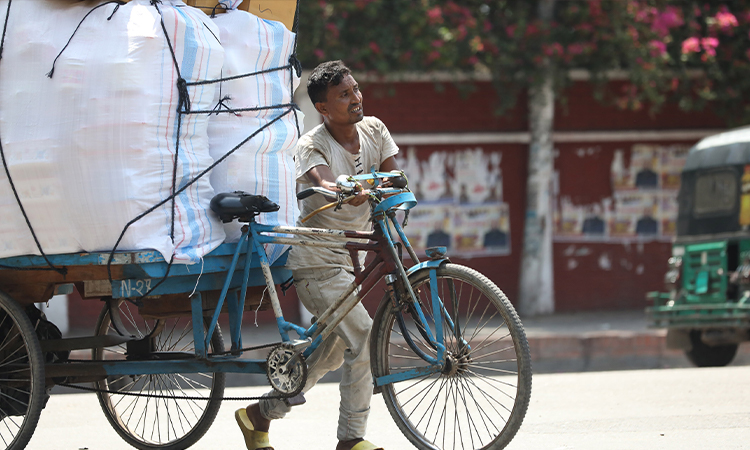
point(158, 423)
point(22, 389)
point(703, 355)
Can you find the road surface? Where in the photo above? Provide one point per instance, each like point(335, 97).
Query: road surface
point(680, 409)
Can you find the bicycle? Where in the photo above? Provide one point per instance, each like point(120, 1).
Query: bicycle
point(448, 352)
point(420, 328)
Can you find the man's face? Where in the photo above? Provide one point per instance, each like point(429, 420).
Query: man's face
point(343, 103)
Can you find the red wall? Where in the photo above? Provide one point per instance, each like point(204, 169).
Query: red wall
point(583, 279)
point(582, 112)
point(440, 107)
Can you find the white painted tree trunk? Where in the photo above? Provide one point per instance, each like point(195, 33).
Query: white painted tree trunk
point(537, 284)
point(537, 293)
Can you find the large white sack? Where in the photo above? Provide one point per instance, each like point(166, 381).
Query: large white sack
point(264, 165)
point(93, 147)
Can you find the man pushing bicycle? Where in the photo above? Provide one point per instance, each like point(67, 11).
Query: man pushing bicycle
point(346, 143)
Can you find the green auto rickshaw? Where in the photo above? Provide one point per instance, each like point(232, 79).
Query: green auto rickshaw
point(706, 310)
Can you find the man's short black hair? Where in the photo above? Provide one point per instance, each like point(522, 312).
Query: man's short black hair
point(329, 73)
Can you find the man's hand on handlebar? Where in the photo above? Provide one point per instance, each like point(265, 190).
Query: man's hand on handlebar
point(360, 197)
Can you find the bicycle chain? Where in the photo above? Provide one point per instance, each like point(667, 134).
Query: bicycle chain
point(172, 397)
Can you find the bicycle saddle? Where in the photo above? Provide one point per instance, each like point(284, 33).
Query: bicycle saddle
point(240, 205)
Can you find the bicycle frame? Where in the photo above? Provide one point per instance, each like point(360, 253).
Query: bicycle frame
point(381, 242)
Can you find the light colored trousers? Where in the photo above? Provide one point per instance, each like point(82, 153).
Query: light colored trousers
point(348, 345)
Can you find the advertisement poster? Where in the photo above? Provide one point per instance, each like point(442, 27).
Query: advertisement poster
point(461, 206)
point(643, 205)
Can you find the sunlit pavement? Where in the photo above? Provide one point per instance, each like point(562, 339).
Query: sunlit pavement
point(678, 409)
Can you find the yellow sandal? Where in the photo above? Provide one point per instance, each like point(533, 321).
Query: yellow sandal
point(254, 440)
point(366, 445)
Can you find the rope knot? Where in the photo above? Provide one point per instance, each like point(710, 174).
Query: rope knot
point(183, 102)
point(296, 64)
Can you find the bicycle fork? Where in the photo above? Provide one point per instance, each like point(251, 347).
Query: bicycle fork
point(436, 340)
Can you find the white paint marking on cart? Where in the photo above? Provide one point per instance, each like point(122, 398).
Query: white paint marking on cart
point(130, 287)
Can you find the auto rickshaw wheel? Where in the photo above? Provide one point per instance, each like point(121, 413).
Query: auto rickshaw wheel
point(703, 355)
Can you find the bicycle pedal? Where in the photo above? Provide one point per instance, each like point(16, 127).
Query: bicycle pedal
point(297, 400)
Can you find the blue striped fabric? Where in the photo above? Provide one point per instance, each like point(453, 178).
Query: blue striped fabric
point(264, 165)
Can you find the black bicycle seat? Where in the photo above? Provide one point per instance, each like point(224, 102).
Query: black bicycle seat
point(241, 205)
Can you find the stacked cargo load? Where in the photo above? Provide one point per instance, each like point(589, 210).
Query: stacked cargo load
point(104, 127)
point(263, 165)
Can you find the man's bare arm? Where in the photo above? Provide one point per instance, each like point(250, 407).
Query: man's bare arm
point(322, 176)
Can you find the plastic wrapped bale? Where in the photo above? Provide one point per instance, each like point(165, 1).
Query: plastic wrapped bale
point(100, 142)
point(263, 164)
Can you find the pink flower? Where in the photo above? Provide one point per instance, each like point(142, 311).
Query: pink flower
point(575, 49)
point(510, 30)
point(435, 15)
point(709, 45)
point(375, 47)
point(437, 43)
point(319, 53)
point(658, 48)
point(433, 56)
point(691, 45)
point(462, 32)
point(726, 21)
point(747, 53)
point(595, 8)
point(554, 49)
point(333, 29)
point(666, 20)
point(473, 60)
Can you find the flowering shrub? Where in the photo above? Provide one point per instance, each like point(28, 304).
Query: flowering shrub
point(688, 52)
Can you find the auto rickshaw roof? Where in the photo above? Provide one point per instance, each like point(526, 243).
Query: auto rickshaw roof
point(724, 149)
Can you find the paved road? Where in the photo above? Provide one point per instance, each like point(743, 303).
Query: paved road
point(680, 409)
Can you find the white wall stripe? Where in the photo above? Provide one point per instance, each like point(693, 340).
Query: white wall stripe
point(558, 137)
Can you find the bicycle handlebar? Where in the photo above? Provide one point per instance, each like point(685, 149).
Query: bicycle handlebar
point(329, 195)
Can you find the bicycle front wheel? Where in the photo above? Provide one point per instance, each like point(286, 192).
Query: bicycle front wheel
point(480, 398)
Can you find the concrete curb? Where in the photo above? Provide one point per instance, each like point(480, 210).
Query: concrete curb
point(610, 350)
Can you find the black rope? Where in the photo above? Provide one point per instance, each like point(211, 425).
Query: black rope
point(52, 72)
point(238, 110)
point(61, 270)
point(297, 65)
point(218, 5)
point(171, 197)
point(171, 397)
point(5, 28)
point(223, 104)
point(3, 266)
point(183, 107)
point(237, 77)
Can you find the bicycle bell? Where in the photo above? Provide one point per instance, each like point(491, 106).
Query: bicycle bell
point(346, 185)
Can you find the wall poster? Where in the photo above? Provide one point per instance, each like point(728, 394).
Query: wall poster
point(461, 205)
point(643, 205)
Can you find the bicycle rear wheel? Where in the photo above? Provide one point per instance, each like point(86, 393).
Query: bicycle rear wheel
point(480, 398)
point(158, 423)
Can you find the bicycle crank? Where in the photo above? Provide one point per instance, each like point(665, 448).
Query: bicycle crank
point(286, 370)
